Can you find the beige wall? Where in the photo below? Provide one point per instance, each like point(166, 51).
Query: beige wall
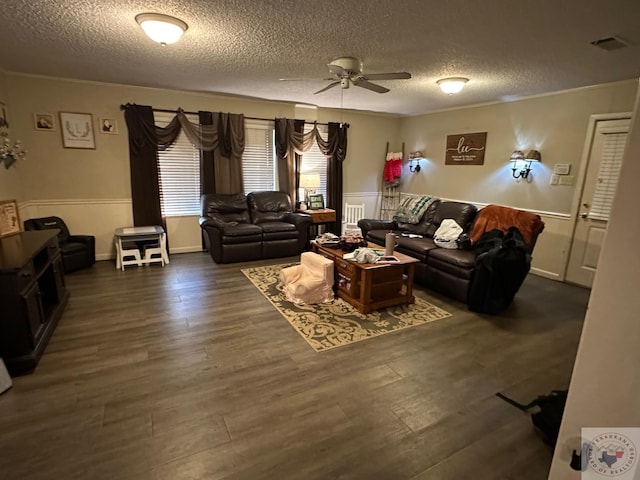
point(556, 125)
point(605, 385)
point(90, 189)
point(10, 179)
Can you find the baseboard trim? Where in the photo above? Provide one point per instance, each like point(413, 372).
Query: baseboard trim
point(546, 274)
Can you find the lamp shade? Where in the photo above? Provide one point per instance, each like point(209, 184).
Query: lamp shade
point(534, 156)
point(452, 85)
point(309, 180)
point(516, 155)
point(161, 28)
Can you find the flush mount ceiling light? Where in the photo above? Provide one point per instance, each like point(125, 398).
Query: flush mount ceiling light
point(452, 85)
point(161, 28)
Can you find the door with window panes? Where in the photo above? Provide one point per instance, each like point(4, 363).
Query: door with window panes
point(603, 170)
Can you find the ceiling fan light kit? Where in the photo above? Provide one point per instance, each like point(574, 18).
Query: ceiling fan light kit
point(452, 85)
point(161, 28)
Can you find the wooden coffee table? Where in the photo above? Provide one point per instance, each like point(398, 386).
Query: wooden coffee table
point(371, 286)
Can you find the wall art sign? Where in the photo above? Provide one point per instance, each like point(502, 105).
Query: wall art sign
point(466, 149)
point(9, 218)
point(77, 130)
point(44, 121)
point(108, 125)
point(4, 123)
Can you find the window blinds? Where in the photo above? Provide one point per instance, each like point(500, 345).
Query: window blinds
point(258, 158)
point(608, 175)
point(179, 173)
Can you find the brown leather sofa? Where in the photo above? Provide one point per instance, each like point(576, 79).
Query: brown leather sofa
point(239, 228)
point(450, 271)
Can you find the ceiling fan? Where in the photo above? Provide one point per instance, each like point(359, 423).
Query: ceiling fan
point(347, 71)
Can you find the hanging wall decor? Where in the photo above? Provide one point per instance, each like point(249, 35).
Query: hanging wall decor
point(77, 130)
point(466, 149)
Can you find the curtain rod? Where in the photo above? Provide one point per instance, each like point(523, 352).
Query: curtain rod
point(122, 107)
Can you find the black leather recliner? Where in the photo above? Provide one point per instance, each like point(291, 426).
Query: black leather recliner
point(78, 251)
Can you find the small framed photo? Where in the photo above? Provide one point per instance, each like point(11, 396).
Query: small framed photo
point(9, 218)
point(108, 125)
point(44, 121)
point(77, 130)
point(316, 201)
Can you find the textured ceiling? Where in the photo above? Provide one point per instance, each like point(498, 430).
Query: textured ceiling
point(508, 49)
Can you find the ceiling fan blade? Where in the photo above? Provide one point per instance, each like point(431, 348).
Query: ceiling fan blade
point(295, 79)
point(359, 82)
point(387, 76)
point(331, 85)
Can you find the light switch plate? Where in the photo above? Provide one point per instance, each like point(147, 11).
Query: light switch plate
point(554, 180)
point(566, 180)
point(562, 168)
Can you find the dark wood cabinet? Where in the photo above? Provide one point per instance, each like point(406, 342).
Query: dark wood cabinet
point(33, 296)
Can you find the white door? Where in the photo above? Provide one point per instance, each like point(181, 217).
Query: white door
point(603, 168)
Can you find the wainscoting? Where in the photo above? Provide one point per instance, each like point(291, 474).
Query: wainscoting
point(101, 217)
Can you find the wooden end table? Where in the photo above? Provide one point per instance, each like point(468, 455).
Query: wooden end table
point(371, 286)
point(320, 216)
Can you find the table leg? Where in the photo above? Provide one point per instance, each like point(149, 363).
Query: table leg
point(163, 246)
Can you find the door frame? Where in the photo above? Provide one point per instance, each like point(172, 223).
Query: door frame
point(582, 176)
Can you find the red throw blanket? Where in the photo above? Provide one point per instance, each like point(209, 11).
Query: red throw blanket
point(495, 216)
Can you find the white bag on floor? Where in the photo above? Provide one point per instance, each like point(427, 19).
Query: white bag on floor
point(5, 379)
point(447, 234)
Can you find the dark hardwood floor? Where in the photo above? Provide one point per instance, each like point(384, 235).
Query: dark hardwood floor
point(188, 372)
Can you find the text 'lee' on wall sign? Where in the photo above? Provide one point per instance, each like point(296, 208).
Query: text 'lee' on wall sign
point(466, 149)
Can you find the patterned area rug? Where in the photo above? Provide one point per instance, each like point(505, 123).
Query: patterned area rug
point(335, 324)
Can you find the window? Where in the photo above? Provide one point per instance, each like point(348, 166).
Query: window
point(179, 173)
point(315, 161)
point(258, 159)
point(608, 175)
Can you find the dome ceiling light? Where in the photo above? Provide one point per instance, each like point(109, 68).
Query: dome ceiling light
point(452, 85)
point(161, 28)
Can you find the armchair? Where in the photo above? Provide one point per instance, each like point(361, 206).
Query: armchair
point(78, 251)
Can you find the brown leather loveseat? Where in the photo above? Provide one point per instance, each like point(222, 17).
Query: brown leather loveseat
point(239, 228)
point(451, 271)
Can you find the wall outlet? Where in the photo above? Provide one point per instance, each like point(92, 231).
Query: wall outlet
point(554, 180)
point(566, 180)
point(562, 168)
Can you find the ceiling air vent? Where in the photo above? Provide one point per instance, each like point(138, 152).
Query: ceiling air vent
point(610, 43)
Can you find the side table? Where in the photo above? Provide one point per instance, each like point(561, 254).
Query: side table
point(321, 216)
point(132, 234)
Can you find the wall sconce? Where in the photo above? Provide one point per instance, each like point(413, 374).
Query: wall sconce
point(531, 156)
point(417, 155)
point(9, 154)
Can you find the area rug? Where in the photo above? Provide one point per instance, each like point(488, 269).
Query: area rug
point(336, 324)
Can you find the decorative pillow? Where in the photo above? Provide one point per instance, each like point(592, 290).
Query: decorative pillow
point(412, 208)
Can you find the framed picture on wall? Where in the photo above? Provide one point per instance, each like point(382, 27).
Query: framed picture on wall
point(9, 218)
point(44, 121)
point(316, 202)
point(77, 130)
point(108, 126)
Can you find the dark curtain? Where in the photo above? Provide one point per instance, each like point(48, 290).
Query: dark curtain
point(288, 167)
point(335, 148)
point(207, 170)
point(144, 139)
point(227, 155)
